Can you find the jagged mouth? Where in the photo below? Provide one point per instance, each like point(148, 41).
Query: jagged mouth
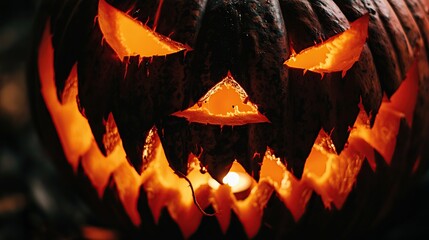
point(328, 174)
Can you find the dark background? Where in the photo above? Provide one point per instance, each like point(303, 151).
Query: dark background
point(35, 202)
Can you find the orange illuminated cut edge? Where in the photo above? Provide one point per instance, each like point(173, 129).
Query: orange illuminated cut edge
point(129, 37)
point(225, 104)
point(337, 54)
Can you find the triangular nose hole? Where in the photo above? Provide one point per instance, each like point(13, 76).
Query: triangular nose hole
point(225, 104)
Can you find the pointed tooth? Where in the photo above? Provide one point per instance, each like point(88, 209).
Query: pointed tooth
point(133, 109)
point(149, 227)
point(210, 224)
point(175, 138)
point(218, 165)
point(70, 19)
point(133, 142)
point(343, 98)
point(218, 148)
point(276, 215)
point(172, 229)
point(262, 136)
point(335, 114)
point(97, 75)
point(133, 134)
point(236, 229)
point(111, 198)
point(364, 75)
point(262, 62)
point(302, 121)
point(241, 148)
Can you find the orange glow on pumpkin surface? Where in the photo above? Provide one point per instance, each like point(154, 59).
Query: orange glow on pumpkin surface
point(129, 37)
point(337, 54)
point(326, 173)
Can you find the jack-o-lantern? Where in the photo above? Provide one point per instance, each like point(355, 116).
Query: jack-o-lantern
point(236, 118)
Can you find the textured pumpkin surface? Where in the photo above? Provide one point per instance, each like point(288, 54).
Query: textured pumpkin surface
point(340, 144)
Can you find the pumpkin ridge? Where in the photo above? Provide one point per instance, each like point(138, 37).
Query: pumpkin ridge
point(382, 48)
point(422, 20)
point(70, 34)
point(336, 21)
point(395, 31)
point(408, 23)
point(300, 19)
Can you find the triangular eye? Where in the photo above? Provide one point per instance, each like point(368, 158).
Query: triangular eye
point(129, 37)
point(337, 54)
point(225, 104)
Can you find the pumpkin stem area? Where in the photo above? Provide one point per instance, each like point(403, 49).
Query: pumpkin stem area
point(225, 104)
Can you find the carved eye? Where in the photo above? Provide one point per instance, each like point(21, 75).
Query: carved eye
point(129, 37)
point(337, 54)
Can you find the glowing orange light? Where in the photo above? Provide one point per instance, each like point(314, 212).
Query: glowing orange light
point(382, 136)
point(232, 179)
point(238, 181)
point(129, 37)
point(68, 120)
point(338, 53)
point(225, 104)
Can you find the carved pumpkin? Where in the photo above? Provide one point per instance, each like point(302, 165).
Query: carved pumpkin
point(308, 113)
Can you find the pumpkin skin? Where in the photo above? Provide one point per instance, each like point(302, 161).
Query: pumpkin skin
point(253, 49)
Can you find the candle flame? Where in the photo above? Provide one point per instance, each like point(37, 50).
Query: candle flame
point(232, 179)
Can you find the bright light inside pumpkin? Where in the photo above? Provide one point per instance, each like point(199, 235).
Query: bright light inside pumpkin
point(129, 37)
point(232, 179)
point(225, 104)
point(337, 54)
point(238, 181)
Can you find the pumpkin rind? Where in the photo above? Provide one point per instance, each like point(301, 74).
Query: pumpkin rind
point(146, 93)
